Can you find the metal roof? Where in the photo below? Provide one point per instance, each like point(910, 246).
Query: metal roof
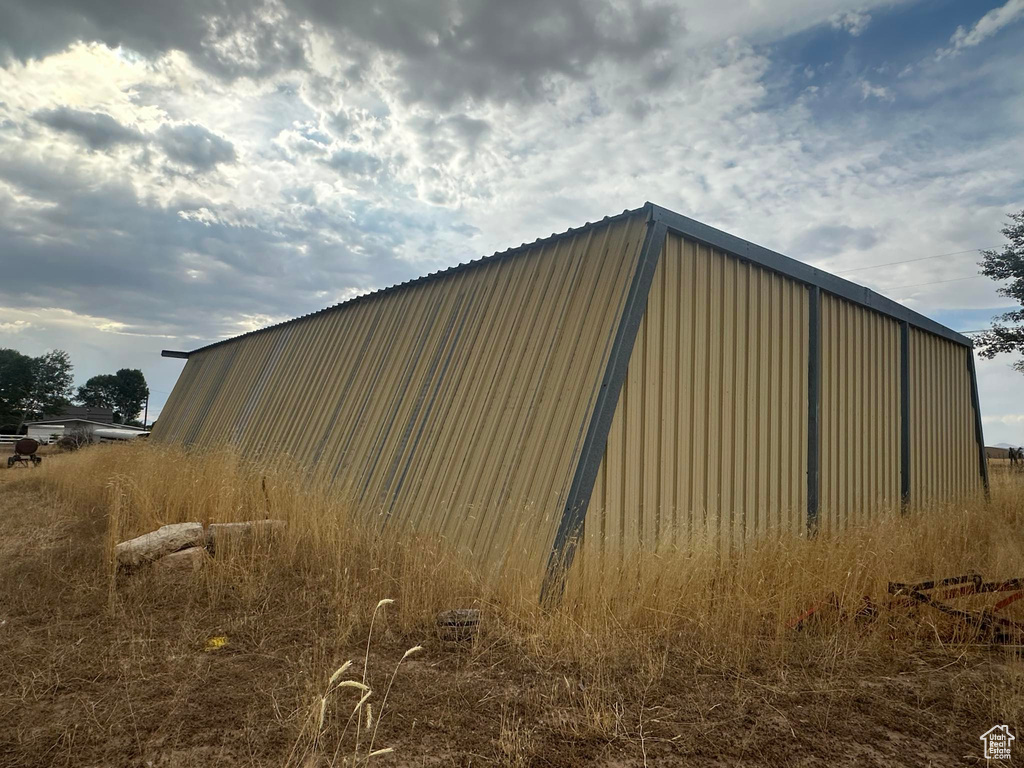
point(691, 228)
point(44, 422)
point(507, 253)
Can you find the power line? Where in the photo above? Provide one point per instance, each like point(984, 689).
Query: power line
point(908, 261)
point(933, 282)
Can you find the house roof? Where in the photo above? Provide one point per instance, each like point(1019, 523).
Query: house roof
point(88, 412)
point(60, 422)
point(687, 227)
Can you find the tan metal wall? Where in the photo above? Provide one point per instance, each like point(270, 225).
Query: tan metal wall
point(456, 405)
point(944, 461)
point(709, 437)
point(860, 413)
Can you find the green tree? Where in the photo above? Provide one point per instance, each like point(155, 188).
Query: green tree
point(1007, 332)
point(98, 392)
point(52, 378)
point(131, 394)
point(16, 377)
point(124, 392)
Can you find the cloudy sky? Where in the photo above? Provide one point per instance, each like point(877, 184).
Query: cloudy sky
point(175, 173)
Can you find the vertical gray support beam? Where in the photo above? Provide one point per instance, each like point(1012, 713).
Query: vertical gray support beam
point(570, 528)
point(979, 434)
point(813, 410)
point(904, 415)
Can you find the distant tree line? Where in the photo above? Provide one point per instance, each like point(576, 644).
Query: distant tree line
point(34, 388)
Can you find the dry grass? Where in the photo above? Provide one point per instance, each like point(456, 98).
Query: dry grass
point(679, 657)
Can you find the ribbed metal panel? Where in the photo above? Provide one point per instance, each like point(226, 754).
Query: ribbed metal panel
point(709, 437)
point(459, 404)
point(943, 445)
point(860, 413)
point(169, 424)
point(455, 405)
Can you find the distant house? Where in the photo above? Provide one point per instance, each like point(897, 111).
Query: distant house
point(86, 430)
point(100, 415)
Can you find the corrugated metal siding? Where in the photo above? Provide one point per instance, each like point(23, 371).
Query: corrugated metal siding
point(451, 404)
point(709, 437)
point(860, 413)
point(943, 446)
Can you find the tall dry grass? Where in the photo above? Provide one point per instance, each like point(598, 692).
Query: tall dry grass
point(685, 628)
point(731, 611)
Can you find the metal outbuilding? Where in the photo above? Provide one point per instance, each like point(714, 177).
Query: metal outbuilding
point(622, 386)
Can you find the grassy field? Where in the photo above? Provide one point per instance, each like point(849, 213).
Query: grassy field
point(681, 659)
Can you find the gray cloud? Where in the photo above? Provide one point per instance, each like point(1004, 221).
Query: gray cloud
point(189, 144)
point(470, 129)
point(229, 37)
point(448, 50)
point(479, 49)
point(827, 240)
point(195, 146)
point(148, 266)
point(97, 129)
point(354, 162)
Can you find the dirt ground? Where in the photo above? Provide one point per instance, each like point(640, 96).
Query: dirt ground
point(92, 675)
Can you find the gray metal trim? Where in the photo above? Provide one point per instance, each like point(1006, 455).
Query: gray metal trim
point(979, 433)
point(174, 353)
point(801, 272)
point(563, 548)
point(813, 410)
point(904, 414)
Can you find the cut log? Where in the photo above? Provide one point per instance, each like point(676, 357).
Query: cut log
point(163, 541)
point(226, 535)
point(182, 563)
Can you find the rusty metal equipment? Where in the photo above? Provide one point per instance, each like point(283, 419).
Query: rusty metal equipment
point(934, 594)
point(999, 628)
point(25, 453)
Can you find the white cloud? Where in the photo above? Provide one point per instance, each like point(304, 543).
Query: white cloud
point(246, 323)
point(984, 28)
point(870, 91)
point(12, 320)
point(854, 22)
point(1014, 419)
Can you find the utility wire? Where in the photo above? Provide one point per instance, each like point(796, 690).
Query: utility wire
point(908, 261)
point(933, 282)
